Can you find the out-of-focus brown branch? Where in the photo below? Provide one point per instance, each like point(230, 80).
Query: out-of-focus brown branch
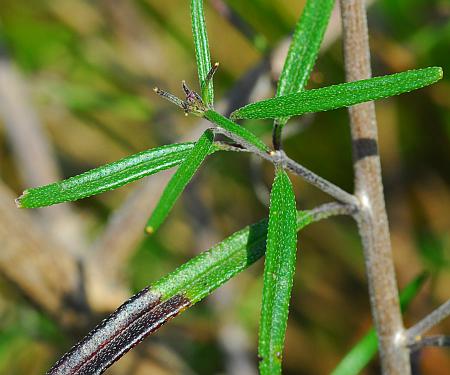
point(35, 159)
point(372, 218)
point(132, 30)
point(43, 251)
point(37, 248)
point(44, 271)
point(31, 148)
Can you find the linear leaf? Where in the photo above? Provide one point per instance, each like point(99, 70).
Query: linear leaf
point(342, 95)
point(303, 50)
point(107, 177)
point(304, 46)
point(202, 54)
point(152, 307)
point(366, 348)
point(232, 129)
point(179, 180)
point(279, 271)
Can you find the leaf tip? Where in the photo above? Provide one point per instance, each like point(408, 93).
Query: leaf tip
point(436, 73)
point(18, 200)
point(234, 115)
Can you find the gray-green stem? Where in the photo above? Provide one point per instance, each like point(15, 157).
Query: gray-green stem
point(414, 333)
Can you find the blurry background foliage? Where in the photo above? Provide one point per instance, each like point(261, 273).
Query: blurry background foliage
point(91, 67)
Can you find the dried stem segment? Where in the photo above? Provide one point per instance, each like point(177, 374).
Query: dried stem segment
point(372, 220)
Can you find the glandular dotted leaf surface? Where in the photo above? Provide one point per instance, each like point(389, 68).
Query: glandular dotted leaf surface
point(279, 271)
point(153, 306)
point(180, 179)
point(106, 177)
point(304, 48)
point(202, 53)
point(342, 95)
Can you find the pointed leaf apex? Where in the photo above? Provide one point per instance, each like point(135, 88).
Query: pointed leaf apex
point(341, 95)
point(18, 200)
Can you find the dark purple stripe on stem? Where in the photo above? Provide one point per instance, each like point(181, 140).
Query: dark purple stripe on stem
point(137, 318)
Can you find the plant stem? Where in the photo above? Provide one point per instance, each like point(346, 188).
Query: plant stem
point(327, 210)
point(321, 183)
point(279, 157)
point(438, 341)
point(432, 319)
point(372, 218)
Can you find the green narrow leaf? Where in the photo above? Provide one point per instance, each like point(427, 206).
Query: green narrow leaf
point(366, 348)
point(303, 51)
point(107, 177)
point(235, 129)
point(153, 306)
point(202, 54)
point(411, 290)
point(305, 46)
point(279, 271)
point(342, 95)
point(179, 180)
point(201, 275)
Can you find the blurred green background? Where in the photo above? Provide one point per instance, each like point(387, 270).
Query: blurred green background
point(90, 67)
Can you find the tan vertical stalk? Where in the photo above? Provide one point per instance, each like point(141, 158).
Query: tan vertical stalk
point(372, 219)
